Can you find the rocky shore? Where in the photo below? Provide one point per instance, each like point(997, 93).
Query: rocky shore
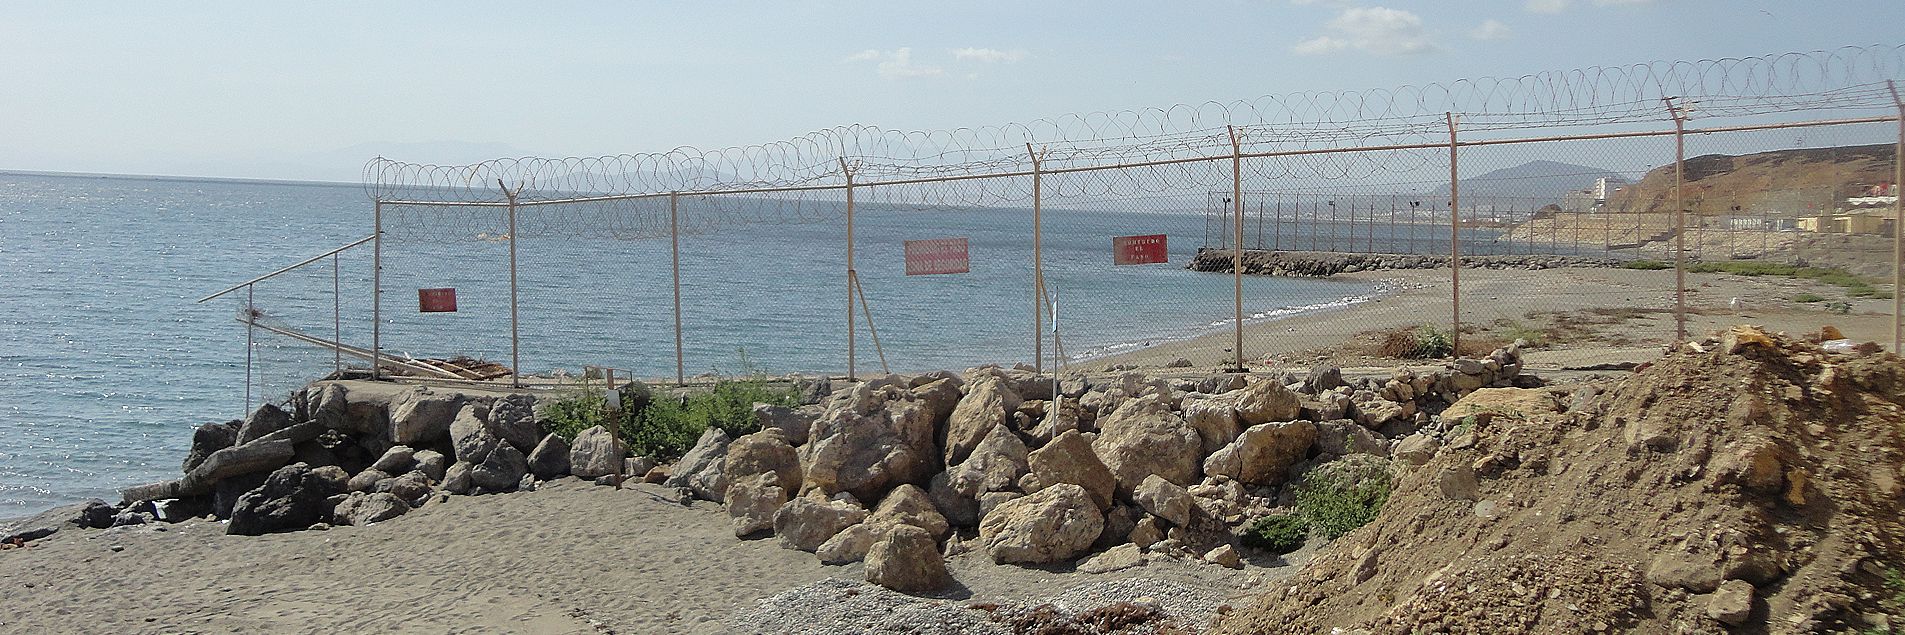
point(1323, 264)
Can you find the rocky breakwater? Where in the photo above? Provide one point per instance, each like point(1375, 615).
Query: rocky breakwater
point(1318, 264)
point(354, 452)
point(900, 472)
point(904, 472)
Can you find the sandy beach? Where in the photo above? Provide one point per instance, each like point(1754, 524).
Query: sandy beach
point(567, 558)
point(1496, 298)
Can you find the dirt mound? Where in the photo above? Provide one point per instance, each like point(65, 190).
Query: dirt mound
point(1748, 483)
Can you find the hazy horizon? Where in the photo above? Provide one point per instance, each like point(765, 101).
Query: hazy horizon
point(297, 92)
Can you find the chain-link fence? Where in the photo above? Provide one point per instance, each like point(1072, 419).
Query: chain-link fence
point(1565, 201)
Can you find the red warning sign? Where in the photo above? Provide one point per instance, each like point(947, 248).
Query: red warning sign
point(1139, 250)
point(436, 300)
point(937, 256)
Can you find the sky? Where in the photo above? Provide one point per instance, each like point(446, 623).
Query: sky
point(312, 90)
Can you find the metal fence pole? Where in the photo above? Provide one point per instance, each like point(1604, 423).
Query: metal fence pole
point(251, 319)
point(1455, 244)
point(337, 318)
point(1680, 221)
point(515, 342)
point(674, 254)
point(1237, 255)
point(377, 290)
point(1898, 225)
point(848, 172)
point(1038, 270)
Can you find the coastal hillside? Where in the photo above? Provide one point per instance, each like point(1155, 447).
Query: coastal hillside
point(1785, 182)
point(1534, 180)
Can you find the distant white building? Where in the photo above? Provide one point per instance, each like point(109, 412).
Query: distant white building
point(1592, 197)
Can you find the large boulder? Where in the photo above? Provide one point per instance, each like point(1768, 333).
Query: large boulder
point(418, 417)
point(807, 522)
point(961, 511)
point(989, 402)
point(397, 460)
point(995, 465)
point(596, 452)
point(1214, 419)
point(794, 423)
point(257, 456)
point(411, 487)
point(766, 451)
point(291, 498)
point(752, 501)
point(362, 508)
point(1143, 437)
point(432, 464)
point(851, 544)
point(1165, 500)
point(1344, 437)
point(265, 420)
point(907, 560)
point(1263, 454)
point(1055, 524)
point(1265, 401)
point(501, 471)
point(869, 441)
point(1068, 458)
point(207, 439)
point(550, 458)
point(908, 505)
point(701, 470)
point(470, 437)
point(513, 419)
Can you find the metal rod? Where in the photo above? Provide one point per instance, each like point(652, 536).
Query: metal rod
point(848, 172)
point(1455, 243)
point(300, 263)
point(1237, 254)
point(337, 316)
point(871, 329)
point(1679, 222)
point(1898, 225)
point(515, 342)
point(1038, 270)
point(377, 290)
point(251, 317)
point(674, 254)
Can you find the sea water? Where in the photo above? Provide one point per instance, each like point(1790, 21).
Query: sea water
point(107, 361)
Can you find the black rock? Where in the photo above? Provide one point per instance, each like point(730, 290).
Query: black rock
point(210, 438)
point(225, 494)
point(95, 514)
point(291, 498)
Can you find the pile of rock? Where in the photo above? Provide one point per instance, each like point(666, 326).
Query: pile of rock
point(1323, 263)
point(904, 471)
point(357, 453)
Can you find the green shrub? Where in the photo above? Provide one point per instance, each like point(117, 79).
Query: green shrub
point(1336, 501)
point(1425, 342)
point(1279, 534)
point(576, 411)
point(1646, 265)
point(668, 425)
point(1809, 298)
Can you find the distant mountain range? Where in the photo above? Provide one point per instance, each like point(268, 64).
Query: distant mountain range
point(1527, 186)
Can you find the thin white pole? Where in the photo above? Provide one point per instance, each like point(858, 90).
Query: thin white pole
point(377, 290)
point(251, 318)
point(337, 318)
point(515, 342)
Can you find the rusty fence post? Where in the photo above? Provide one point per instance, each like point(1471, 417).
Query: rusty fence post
point(1237, 254)
point(674, 254)
point(1679, 220)
point(1455, 244)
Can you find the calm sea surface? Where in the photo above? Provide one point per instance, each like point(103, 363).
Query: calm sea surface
point(107, 361)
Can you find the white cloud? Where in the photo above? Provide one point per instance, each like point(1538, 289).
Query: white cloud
point(1490, 30)
point(1547, 6)
point(988, 55)
point(1377, 30)
point(896, 64)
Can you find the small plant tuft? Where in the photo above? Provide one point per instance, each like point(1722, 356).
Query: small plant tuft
point(1809, 298)
point(1425, 342)
point(1646, 265)
point(1336, 503)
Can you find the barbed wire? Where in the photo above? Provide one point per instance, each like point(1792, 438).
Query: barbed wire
point(1101, 155)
